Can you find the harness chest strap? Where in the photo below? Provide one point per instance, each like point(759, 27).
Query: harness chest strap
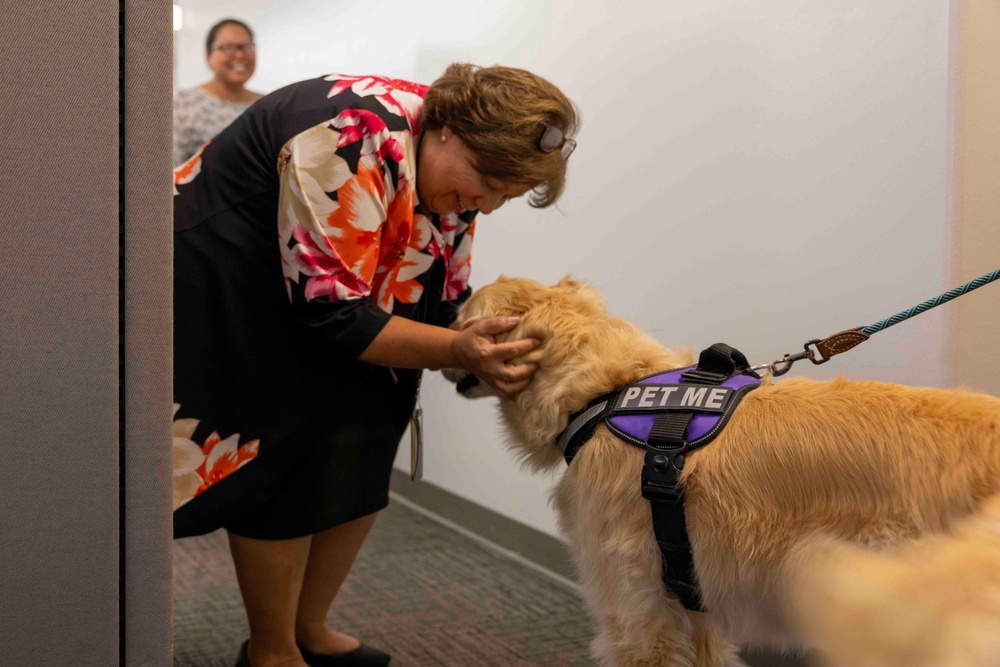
point(669, 414)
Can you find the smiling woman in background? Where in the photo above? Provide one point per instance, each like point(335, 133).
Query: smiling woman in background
point(202, 112)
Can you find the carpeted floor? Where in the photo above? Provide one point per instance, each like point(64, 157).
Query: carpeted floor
point(427, 594)
point(423, 592)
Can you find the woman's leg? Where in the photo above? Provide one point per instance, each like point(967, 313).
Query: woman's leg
point(330, 558)
point(270, 574)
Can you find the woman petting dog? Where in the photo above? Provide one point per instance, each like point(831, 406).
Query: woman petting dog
point(321, 250)
point(858, 518)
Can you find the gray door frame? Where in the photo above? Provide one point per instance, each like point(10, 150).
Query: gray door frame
point(85, 334)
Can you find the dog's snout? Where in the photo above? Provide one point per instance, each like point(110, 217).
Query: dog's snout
point(467, 384)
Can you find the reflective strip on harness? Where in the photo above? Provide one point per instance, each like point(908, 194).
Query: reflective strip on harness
point(579, 423)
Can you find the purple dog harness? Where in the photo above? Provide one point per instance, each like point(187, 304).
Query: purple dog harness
point(669, 414)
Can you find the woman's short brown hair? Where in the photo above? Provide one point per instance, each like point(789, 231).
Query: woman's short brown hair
point(500, 113)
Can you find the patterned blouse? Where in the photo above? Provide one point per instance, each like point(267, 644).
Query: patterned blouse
point(298, 232)
point(198, 117)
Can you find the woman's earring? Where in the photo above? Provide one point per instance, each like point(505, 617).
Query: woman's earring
point(444, 138)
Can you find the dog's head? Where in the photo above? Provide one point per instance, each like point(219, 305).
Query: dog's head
point(584, 353)
point(516, 297)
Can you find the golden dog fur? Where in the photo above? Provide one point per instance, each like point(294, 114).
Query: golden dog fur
point(929, 603)
point(809, 478)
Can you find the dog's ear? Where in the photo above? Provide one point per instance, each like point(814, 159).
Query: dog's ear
point(485, 302)
point(521, 298)
point(513, 297)
point(542, 314)
point(527, 329)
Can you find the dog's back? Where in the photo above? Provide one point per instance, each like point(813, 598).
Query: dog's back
point(868, 461)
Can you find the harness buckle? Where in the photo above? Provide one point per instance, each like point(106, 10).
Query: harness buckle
point(661, 474)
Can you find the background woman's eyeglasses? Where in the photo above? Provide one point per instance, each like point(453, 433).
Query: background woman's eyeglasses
point(553, 139)
point(234, 48)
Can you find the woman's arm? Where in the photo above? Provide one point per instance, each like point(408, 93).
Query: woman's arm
point(403, 343)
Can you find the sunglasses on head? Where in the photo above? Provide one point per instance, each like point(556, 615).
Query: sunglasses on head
point(552, 139)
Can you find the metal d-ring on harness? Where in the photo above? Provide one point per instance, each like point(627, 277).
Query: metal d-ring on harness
point(672, 413)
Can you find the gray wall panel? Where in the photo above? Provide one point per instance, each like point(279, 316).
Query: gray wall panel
point(148, 239)
point(59, 334)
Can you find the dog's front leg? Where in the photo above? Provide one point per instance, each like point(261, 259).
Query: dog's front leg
point(652, 637)
point(711, 646)
point(620, 572)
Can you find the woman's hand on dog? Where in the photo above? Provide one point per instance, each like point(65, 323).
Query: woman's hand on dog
point(477, 351)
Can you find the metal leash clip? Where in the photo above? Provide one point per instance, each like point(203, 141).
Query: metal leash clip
point(783, 365)
point(818, 351)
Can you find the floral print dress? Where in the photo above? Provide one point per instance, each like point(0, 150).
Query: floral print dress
point(298, 233)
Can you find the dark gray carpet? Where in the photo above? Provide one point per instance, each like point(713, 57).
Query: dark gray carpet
point(420, 591)
point(425, 593)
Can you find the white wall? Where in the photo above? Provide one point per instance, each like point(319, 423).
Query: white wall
point(755, 173)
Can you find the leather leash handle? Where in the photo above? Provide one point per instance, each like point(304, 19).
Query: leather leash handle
point(838, 343)
point(817, 350)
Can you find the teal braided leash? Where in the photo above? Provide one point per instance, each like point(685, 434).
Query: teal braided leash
point(819, 351)
point(931, 303)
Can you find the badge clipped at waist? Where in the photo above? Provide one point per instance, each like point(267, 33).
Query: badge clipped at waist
point(417, 444)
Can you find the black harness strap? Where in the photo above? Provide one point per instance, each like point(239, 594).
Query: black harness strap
point(661, 476)
point(717, 363)
point(661, 487)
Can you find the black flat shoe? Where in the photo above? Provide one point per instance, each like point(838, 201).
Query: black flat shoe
point(362, 656)
point(243, 660)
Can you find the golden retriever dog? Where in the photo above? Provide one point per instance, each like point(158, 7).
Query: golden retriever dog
point(819, 517)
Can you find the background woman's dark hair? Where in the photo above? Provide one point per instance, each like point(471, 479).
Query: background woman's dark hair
point(500, 113)
point(214, 30)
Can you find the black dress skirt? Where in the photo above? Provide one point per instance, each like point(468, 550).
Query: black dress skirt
point(297, 234)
